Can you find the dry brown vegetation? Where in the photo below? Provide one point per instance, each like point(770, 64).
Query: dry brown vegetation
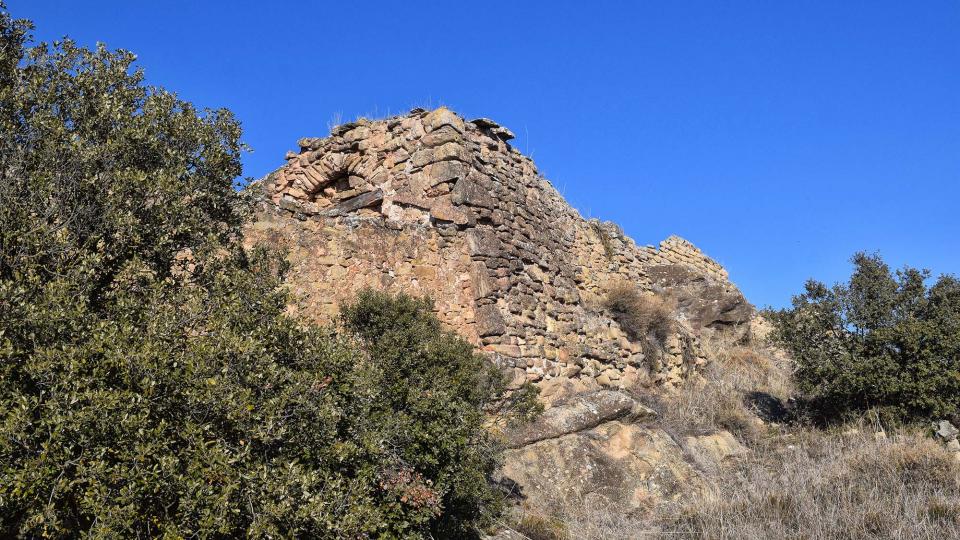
point(641, 316)
point(737, 379)
point(805, 484)
point(539, 527)
point(814, 485)
point(797, 482)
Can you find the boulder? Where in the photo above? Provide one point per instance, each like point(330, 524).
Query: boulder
point(704, 301)
point(594, 449)
point(615, 465)
point(580, 413)
point(713, 449)
point(945, 430)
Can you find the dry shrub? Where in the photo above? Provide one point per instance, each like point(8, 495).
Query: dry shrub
point(540, 527)
point(641, 316)
point(717, 398)
point(750, 366)
point(605, 524)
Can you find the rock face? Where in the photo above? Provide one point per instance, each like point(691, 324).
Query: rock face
point(598, 449)
point(580, 413)
point(704, 299)
point(432, 204)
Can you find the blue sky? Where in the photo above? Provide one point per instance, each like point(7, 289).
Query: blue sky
point(780, 137)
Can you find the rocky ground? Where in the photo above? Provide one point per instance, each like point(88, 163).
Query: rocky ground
point(711, 460)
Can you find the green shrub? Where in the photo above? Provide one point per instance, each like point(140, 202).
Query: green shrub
point(434, 396)
point(883, 341)
point(151, 383)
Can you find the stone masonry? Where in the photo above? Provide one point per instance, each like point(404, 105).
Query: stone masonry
point(429, 203)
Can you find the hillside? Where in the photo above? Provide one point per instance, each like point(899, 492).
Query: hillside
point(405, 331)
point(642, 412)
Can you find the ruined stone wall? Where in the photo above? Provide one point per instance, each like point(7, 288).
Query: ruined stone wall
point(431, 204)
point(676, 250)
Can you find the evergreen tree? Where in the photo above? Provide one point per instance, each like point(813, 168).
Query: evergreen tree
point(151, 383)
point(882, 341)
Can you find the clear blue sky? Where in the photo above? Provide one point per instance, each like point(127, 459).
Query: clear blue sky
point(780, 137)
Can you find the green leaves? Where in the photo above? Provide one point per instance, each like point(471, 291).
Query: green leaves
point(431, 394)
point(882, 341)
point(151, 383)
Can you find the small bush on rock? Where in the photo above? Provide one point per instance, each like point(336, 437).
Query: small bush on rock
point(642, 316)
point(539, 527)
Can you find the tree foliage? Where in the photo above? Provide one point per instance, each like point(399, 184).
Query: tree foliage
point(883, 341)
point(435, 395)
point(151, 383)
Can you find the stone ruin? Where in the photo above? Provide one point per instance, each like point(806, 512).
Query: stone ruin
point(429, 203)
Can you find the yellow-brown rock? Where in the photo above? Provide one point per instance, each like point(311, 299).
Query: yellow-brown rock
point(431, 204)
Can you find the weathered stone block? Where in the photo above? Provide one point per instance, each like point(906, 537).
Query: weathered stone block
point(444, 171)
point(442, 117)
point(441, 136)
point(470, 192)
point(490, 322)
point(444, 152)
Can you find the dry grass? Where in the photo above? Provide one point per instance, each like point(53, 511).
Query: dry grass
point(827, 486)
point(737, 380)
point(798, 482)
point(642, 316)
point(807, 484)
point(540, 527)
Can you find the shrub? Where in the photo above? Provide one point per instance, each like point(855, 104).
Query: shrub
point(433, 395)
point(882, 340)
point(539, 527)
point(642, 316)
point(151, 383)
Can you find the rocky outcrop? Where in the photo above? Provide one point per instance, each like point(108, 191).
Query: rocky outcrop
point(703, 299)
point(599, 450)
point(432, 204)
point(578, 414)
